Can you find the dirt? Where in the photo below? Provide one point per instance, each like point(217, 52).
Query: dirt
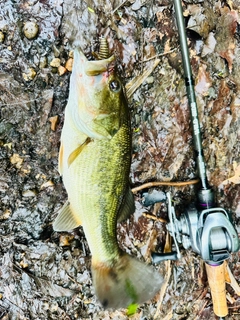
point(46, 275)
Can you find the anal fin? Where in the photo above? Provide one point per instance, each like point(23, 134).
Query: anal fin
point(127, 207)
point(66, 219)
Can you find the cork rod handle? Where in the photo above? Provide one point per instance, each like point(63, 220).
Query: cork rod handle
point(216, 280)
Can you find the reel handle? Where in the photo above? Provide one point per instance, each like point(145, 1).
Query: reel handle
point(216, 281)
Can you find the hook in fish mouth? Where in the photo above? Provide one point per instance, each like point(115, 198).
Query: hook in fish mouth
point(103, 59)
point(96, 67)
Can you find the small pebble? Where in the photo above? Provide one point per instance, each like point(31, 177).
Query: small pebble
point(69, 64)
point(55, 62)
point(54, 121)
point(23, 264)
point(29, 193)
point(45, 306)
point(61, 70)
point(54, 307)
point(29, 75)
point(43, 62)
point(16, 160)
point(6, 214)
point(1, 37)
point(65, 240)
point(32, 2)
point(47, 184)
point(30, 30)
point(150, 80)
point(56, 51)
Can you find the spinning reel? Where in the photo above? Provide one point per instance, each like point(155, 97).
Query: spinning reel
point(208, 232)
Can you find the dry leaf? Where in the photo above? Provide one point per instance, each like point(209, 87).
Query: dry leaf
point(203, 82)
point(225, 32)
point(209, 45)
point(236, 178)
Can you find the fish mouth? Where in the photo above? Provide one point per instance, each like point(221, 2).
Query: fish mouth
point(96, 67)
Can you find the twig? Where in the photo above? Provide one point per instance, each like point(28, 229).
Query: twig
point(160, 55)
point(164, 288)
point(136, 82)
point(20, 102)
point(203, 307)
point(230, 298)
point(150, 216)
point(165, 183)
point(231, 280)
point(118, 7)
point(168, 316)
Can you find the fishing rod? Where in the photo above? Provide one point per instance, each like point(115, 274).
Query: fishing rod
point(204, 227)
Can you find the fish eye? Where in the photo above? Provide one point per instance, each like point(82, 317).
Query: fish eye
point(115, 85)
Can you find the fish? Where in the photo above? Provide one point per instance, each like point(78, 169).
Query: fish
point(94, 162)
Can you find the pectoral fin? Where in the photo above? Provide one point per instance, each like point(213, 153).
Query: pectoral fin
point(77, 151)
point(66, 219)
point(128, 206)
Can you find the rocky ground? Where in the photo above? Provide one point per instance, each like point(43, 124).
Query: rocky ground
point(46, 275)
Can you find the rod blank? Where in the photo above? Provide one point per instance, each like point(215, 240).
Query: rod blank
point(191, 95)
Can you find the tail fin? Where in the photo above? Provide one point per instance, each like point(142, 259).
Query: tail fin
point(125, 282)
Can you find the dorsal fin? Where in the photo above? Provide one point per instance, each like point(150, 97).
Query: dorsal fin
point(127, 207)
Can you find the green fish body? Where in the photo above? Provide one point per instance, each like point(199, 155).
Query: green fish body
point(94, 161)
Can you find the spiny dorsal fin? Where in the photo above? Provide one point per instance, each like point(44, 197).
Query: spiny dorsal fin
point(66, 219)
point(127, 207)
point(77, 151)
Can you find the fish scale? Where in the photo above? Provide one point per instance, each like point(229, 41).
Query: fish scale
point(99, 191)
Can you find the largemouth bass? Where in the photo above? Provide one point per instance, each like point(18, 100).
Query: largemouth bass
point(94, 161)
